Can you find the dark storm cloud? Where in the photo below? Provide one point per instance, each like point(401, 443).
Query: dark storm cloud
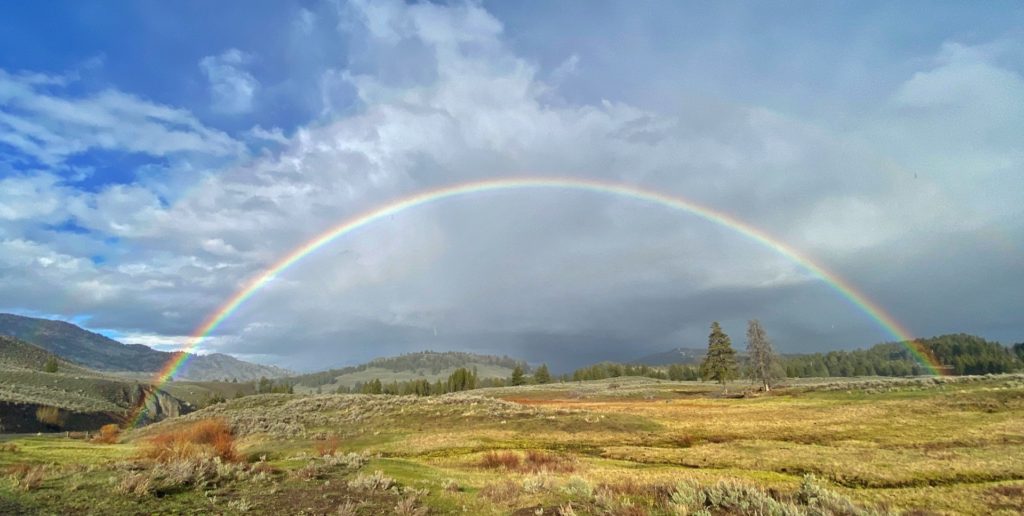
point(894, 197)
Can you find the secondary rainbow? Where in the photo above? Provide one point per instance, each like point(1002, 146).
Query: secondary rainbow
point(858, 299)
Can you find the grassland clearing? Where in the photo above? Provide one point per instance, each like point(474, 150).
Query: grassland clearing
point(623, 446)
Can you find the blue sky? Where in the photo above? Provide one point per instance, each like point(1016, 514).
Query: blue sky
point(153, 156)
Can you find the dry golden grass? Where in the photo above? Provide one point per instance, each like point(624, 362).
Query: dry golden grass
point(327, 446)
point(27, 477)
point(108, 434)
point(50, 416)
point(204, 438)
point(532, 461)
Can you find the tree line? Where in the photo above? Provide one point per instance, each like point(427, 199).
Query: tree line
point(959, 353)
point(462, 379)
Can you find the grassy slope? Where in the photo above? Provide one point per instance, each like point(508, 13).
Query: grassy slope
point(903, 444)
point(387, 375)
point(22, 380)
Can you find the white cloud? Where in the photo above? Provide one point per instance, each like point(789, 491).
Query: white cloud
point(232, 87)
point(566, 262)
point(48, 127)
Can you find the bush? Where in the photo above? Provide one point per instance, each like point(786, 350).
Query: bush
point(817, 497)
point(27, 477)
point(135, 484)
point(494, 460)
point(375, 482)
point(410, 507)
point(533, 461)
point(327, 446)
point(501, 491)
point(108, 434)
point(203, 439)
point(579, 488)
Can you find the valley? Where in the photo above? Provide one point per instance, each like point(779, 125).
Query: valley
point(618, 446)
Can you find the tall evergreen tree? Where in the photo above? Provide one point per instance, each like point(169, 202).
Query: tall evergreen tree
point(763, 367)
point(720, 362)
point(518, 376)
point(542, 375)
point(51, 365)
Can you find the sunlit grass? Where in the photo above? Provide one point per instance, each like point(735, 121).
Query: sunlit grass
point(896, 446)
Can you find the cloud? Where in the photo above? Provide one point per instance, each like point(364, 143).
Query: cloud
point(442, 97)
point(232, 87)
point(41, 124)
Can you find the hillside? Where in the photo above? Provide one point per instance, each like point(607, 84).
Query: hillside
point(672, 356)
point(101, 353)
point(78, 398)
point(424, 365)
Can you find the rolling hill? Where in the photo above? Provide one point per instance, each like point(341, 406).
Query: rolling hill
point(77, 398)
point(672, 356)
point(101, 353)
point(424, 365)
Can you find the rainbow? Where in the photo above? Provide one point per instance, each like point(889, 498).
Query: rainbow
point(848, 291)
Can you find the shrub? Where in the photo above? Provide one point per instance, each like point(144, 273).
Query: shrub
point(375, 482)
point(501, 492)
point(327, 446)
point(349, 460)
point(579, 488)
point(815, 496)
point(135, 484)
point(27, 477)
point(537, 483)
point(349, 508)
point(533, 461)
point(311, 471)
point(410, 507)
point(203, 439)
point(494, 460)
point(108, 434)
point(451, 486)
point(545, 461)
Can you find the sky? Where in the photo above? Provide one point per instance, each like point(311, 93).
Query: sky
point(156, 156)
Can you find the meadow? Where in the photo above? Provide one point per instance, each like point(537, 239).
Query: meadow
point(622, 446)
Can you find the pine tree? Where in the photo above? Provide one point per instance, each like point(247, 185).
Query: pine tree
point(542, 375)
point(518, 376)
point(720, 362)
point(51, 365)
point(763, 366)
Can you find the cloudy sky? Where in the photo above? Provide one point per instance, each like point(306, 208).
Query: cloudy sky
point(155, 156)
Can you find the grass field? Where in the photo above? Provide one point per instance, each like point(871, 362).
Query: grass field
point(622, 446)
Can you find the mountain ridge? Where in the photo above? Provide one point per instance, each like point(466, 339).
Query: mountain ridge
point(428, 365)
point(95, 351)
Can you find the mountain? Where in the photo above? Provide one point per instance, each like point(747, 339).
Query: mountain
point(423, 365)
point(672, 356)
point(101, 353)
point(41, 392)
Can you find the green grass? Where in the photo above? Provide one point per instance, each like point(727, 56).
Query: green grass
point(948, 447)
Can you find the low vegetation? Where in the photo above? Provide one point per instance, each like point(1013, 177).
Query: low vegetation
point(203, 439)
point(617, 446)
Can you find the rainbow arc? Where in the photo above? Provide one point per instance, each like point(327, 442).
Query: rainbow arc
point(840, 285)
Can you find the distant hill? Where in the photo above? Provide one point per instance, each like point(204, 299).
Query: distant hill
point(424, 365)
point(672, 356)
point(77, 398)
point(101, 353)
